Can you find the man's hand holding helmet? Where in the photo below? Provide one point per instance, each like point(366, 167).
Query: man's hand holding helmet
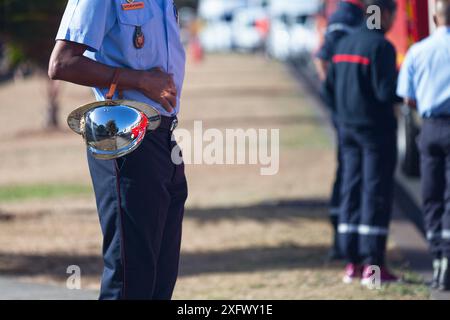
point(160, 87)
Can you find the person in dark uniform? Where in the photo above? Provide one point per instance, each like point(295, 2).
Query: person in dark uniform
point(348, 18)
point(424, 82)
point(361, 83)
point(140, 197)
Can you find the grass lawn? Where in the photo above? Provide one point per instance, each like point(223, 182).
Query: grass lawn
point(41, 191)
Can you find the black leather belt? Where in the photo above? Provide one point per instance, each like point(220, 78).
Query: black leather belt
point(168, 123)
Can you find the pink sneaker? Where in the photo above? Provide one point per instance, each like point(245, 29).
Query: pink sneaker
point(352, 271)
point(385, 276)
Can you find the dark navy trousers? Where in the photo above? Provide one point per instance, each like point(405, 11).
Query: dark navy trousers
point(336, 191)
point(434, 146)
point(369, 159)
point(140, 201)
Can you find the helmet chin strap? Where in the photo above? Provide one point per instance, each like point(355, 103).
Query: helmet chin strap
point(114, 85)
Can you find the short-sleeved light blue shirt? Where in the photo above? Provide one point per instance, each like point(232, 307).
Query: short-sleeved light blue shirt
point(425, 74)
point(108, 31)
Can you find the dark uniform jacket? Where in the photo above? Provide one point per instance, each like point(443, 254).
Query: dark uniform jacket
point(347, 18)
point(361, 80)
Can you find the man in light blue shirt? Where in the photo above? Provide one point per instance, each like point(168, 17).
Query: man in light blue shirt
point(424, 83)
point(424, 77)
point(108, 31)
point(140, 197)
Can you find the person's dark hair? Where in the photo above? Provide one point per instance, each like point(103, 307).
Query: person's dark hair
point(389, 5)
point(443, 10)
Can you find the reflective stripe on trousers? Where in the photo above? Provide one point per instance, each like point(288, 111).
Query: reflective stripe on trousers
point(364, 230)
point(444, 234)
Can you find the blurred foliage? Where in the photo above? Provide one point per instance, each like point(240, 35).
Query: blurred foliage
point(28, 27)
point(186, 3)
point(26, 192)
point(15, 55)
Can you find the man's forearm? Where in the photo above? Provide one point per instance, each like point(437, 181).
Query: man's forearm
point(83, 71)
point(67, 63)
point(321, 67)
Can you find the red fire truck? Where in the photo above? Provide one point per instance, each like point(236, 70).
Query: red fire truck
point(413, 23)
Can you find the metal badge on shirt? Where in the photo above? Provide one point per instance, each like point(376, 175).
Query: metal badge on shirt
point(175, 12)
point(138, 36)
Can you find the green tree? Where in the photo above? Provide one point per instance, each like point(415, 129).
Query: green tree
point(31, 26)
point(28, 29)
point(186, 3)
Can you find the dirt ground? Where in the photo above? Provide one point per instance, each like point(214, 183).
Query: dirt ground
point(245, 235)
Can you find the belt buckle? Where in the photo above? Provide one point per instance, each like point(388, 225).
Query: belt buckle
point(174, 124)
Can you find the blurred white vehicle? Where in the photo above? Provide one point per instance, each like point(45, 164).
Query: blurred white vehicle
point(304, 38)
point(214, 10)
point(216, 36)
point(217, 17)
point(278, 42)
point(293, 30)
point(249, 28)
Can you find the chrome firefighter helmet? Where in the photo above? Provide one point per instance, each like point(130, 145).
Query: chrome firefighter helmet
point(113, 128)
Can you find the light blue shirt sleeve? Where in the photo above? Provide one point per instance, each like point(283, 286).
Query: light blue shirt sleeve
point(405, 86)
point(87, 22)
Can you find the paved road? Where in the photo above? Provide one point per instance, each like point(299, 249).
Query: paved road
point(11, 289)
point(419, 257)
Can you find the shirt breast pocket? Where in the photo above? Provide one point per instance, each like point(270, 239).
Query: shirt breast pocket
point(134, 18)
point(132, 31)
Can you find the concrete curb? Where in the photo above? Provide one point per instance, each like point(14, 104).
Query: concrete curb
point(12, 289)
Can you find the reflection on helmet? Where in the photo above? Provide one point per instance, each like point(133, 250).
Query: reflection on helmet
point(113, 129)
point(112, 132)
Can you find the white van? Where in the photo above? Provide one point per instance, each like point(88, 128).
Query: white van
point(217, 17)
point(293, 31)
point(250, 27)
